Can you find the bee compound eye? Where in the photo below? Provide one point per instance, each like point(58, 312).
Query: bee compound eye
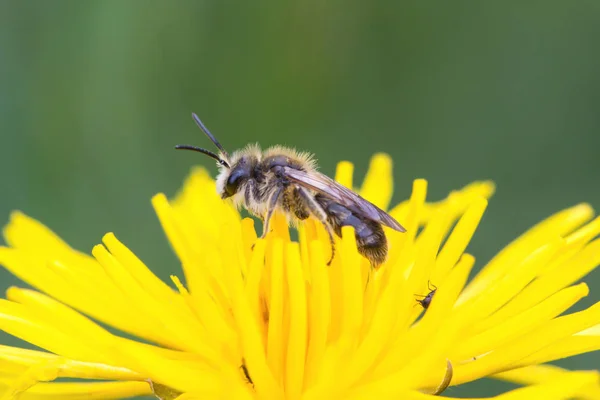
point(236, 177)
point(232, 185)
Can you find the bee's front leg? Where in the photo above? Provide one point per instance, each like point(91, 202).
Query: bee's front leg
point(270, 210)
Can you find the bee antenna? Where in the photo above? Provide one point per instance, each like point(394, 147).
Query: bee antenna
point(210, 135)
point(203, 151)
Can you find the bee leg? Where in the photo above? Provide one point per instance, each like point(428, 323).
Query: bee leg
point(331, 240)
point(319, 212)
point(270, 210)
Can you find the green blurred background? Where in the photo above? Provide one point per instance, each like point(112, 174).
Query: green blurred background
point(94, 94)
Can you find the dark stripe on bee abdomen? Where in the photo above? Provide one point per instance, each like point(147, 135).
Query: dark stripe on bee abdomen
point(370, 238)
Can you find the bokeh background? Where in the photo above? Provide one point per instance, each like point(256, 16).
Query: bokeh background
point(94, 94)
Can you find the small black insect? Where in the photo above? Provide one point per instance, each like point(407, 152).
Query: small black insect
point(426, 300)
point(246, 372)
point(281, 178)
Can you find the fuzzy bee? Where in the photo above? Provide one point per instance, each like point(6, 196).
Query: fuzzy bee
point(281, 178)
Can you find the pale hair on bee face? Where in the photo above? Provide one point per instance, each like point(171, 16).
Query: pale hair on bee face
point(251, 149)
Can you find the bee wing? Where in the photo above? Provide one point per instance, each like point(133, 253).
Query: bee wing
point(328, 187)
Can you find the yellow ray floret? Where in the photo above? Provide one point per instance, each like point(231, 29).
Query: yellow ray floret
point(268, 319)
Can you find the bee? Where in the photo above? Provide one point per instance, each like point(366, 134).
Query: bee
point(283, 179)
point(426, 300)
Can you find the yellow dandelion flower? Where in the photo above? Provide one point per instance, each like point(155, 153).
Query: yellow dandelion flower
point(267, 319)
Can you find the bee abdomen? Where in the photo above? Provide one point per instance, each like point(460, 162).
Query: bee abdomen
point(370, 238)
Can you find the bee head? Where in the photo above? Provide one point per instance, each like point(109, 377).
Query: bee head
point(231, 180)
